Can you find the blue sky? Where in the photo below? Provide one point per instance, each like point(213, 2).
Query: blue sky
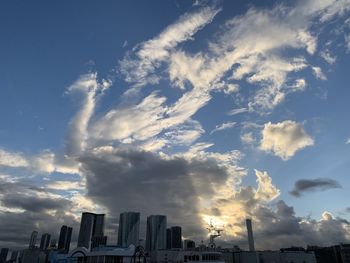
point(242, 101)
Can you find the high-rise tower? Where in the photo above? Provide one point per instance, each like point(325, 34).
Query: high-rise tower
point(129, 229)
point(33, 237)
point(45, 241)
point(156, 232)
point(176, 237)
point(64, 239)
point(91, 227)
point(250, 234)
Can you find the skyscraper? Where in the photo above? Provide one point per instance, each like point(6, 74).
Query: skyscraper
point(32, 241)
point(129, 229)
point(176, 237)
point(3, 255)
point(45, 241)
point(64, 239)
point(168, 238)
point(14, 256)
point(250, 234)
point(92, 225)
point(156, 232)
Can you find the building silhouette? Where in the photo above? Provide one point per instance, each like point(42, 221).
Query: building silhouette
point(176, 237)
point(14, 256)
point(250, 235)
point(156, 232)
point(129, 229)
point(64, 239)
point(33, 237)
point(338, 253)
point(189, 244)
point(91, 226)
point(3, 255)
point(45, 241)
point(168, 238)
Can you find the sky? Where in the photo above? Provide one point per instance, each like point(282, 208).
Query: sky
point(205, 111)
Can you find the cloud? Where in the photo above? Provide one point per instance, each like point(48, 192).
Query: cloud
point(12, 159)
point(247, 138)
point(237, 111)
point(348, 141)
point(284, 139)
point(313, 185)
point(248, 44)
point(25, 207)
point(223, 126)
point(89, 87)
point(139, 65)
point(326, 55)
point(317, 71)
point(160, 185)
point(266, 190)
point(44, 163)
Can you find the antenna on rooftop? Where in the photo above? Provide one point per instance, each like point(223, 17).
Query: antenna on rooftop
point(214, 232)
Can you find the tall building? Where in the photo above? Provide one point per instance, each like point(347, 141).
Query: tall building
point(45, 241)
point(176, 237)
point(168, 238)
point(3, 255)
point(64, 239)
point(129, 229)
point(92, 225)
point(32, 241)
point(156, 232)
point(14, 256)
point(250, 235)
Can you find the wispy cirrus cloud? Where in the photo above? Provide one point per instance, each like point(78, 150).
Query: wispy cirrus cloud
point(140, 64)
point(223, 126)
point(237, 111)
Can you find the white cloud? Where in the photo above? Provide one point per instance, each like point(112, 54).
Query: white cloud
point(149, 55)
point(317, 71)
point(223, 126)
point(327, 56)
point(247, 138)
point(140, 121)
point(266, 191)
point(184, 134)
point(348, 141)
point(12, 159)
point(284, 139)
point(65, 185)
point(90, 88)
point(237, 111)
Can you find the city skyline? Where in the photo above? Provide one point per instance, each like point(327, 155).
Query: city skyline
point(203, 111)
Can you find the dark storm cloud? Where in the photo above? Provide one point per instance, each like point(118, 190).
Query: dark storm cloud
point(312, 185)
point(31, 208)
point(34, 204)
point(16, 227)
point(125, 180)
